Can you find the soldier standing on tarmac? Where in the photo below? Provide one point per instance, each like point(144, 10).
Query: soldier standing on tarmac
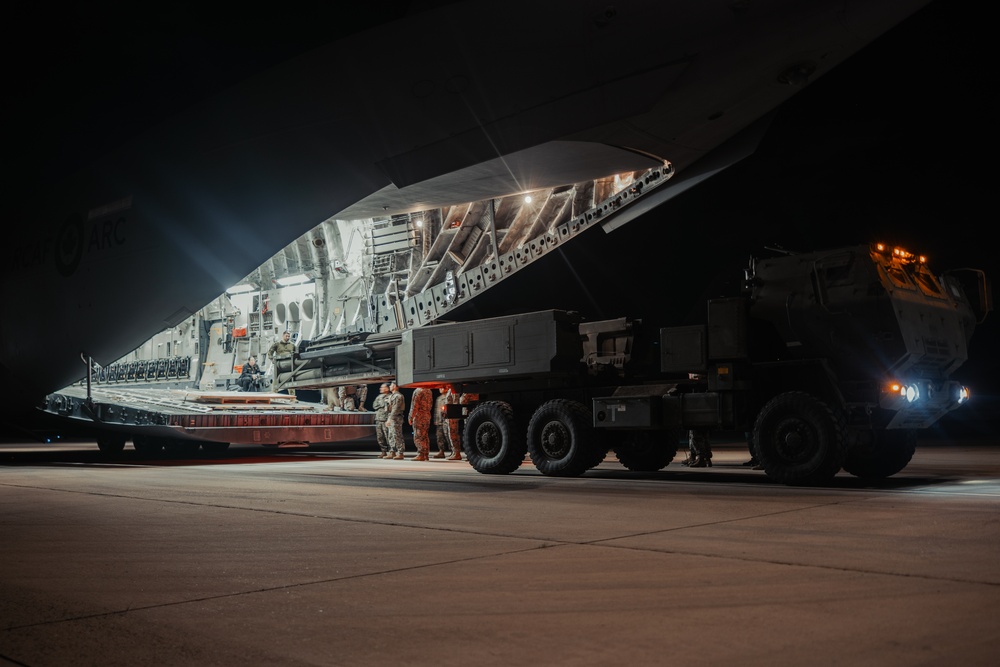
point(699, 449)
point(420, 420)
point(381, 405)
point(396, 409)
point(468, 401)
point(442, 426)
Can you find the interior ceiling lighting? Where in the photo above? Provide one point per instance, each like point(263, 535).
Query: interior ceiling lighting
point(241, 289)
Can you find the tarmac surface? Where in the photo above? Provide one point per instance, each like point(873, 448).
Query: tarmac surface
point(329, 556)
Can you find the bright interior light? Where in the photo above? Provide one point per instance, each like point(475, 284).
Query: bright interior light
point(912, 393)
point(241, 289)
point(293, 280)
point(963, 395)
point(527, 199)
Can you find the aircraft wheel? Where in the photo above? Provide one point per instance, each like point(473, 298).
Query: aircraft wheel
point(800, 439)
point(493, 443)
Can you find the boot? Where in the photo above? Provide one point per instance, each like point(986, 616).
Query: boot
point(456, 456)
point(398, 457)
point(439, 455)
point(701, 462)
point(421, 457)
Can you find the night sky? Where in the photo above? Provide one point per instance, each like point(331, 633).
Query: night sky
point(895, 144)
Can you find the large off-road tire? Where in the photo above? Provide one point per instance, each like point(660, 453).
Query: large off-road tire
point(493, 443)
point(800, 439)
point(111, 445)
point(561, 439)
point(647, 451)
point(888, 453)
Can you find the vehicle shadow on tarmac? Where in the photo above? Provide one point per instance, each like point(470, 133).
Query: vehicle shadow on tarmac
point(724, 474)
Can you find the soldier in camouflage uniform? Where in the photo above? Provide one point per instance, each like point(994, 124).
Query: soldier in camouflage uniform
point(381, 405)
point(281, 348)
point(420, 420)
point(467, 401)
point(353, 397)
point(442, 426)
point(396, 409)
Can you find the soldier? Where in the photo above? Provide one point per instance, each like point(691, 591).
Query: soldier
point(420, 420)
point(381, 405)
point(442, 426)
point(396, 410)
point(331, 396)
point(699, 449)
point(353, 397)
point(280, 348)
point(468, 401)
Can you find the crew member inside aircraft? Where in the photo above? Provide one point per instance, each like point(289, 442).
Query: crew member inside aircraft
point(281, 348)
point(249, 379)
point(353, 397)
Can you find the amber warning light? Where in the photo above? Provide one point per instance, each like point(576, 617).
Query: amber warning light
point(901, 254)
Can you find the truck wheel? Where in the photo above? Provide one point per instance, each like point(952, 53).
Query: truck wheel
point(889, 452)
point(493, 443)
point(111, 444)
point(647, 451)
point(561, 440)
point(800, 439)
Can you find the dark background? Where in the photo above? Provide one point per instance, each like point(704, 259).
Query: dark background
point(895, 144)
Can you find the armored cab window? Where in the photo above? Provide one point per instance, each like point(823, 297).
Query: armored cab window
point(893, 272)
point(831, 272)
point(927, 283)
point(836, 269)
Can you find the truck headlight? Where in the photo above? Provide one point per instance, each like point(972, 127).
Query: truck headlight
point(962, 395)
point(910, 392)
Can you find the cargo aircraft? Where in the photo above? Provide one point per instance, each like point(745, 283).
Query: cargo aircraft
point(452, 102)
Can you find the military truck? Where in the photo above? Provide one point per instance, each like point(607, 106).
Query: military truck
point(826, 360)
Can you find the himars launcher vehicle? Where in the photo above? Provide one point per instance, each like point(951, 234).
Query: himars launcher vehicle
point(827, 361)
